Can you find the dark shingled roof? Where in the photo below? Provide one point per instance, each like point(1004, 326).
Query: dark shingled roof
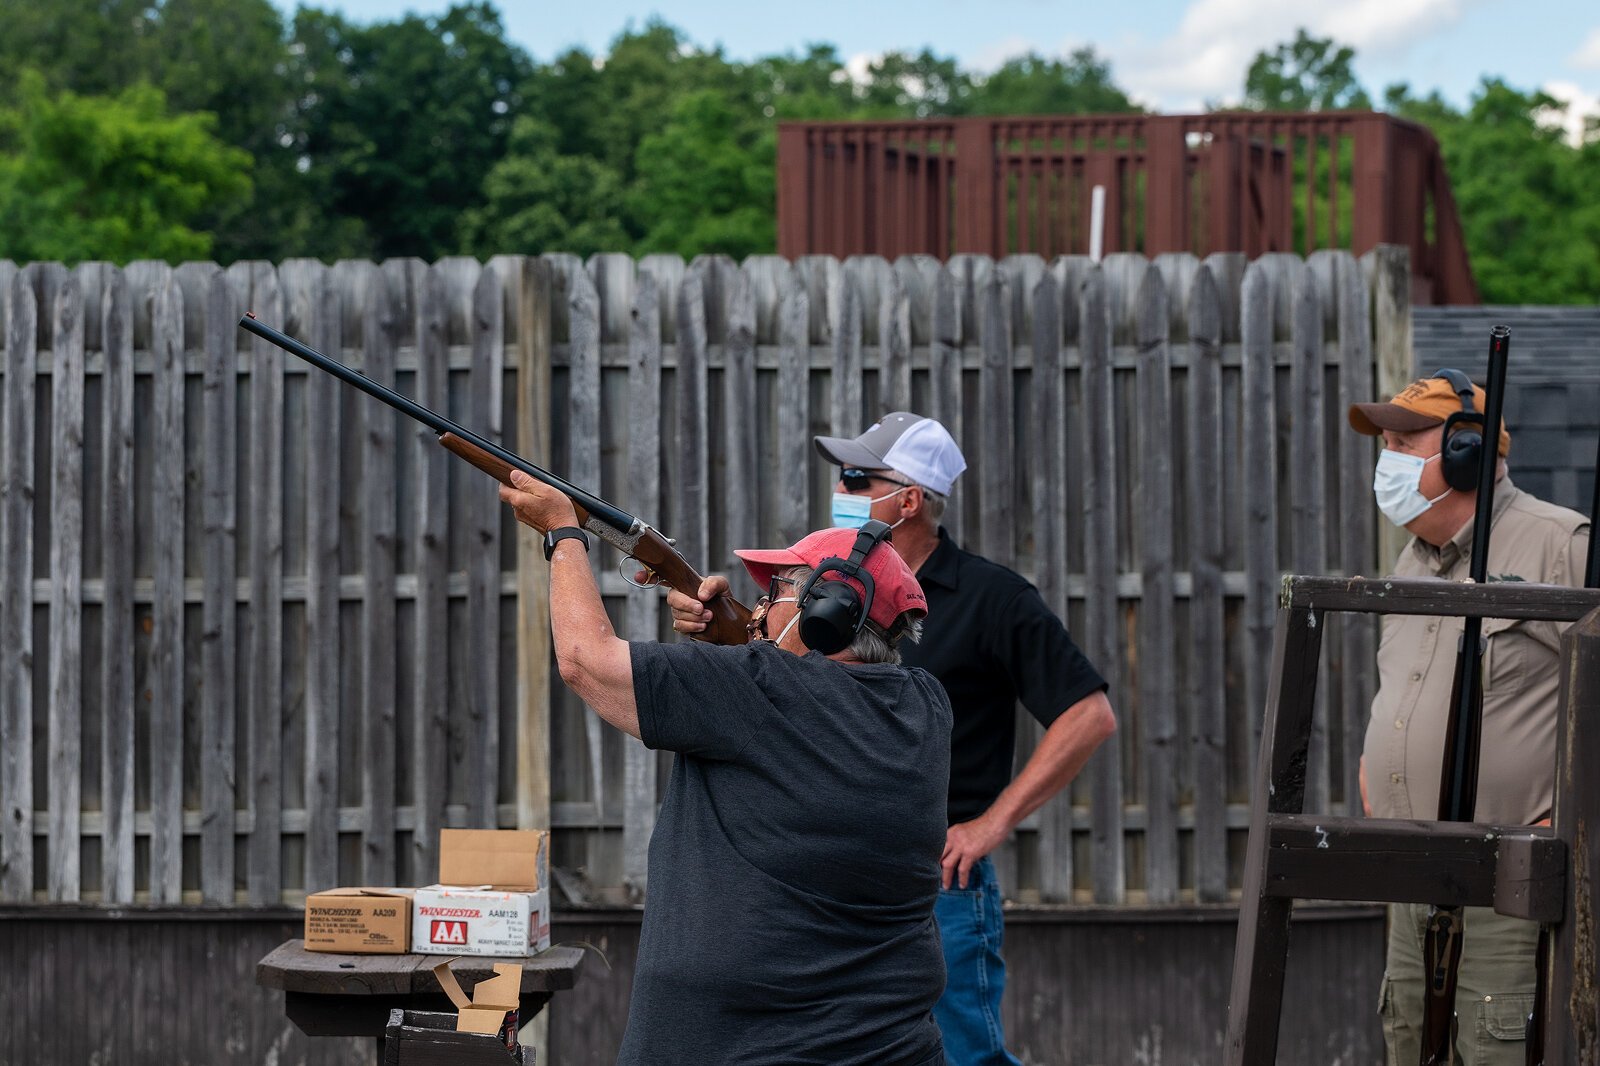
point(1553, 386)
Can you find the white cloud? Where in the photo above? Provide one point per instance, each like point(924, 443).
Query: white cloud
point(1205, 57)
point(1587, 57)
point(1578, 108)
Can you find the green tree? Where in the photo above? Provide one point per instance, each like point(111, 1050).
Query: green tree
point(115, 178)
point(810, 86)
point(1035, 85)
point(706, 182)
point(915, 86)
point(1306, 74)
point(1524, 195)
point(227, 57)
point(538, 200)
point(402, 121)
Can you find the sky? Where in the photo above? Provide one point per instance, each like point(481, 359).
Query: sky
point(1171, 55)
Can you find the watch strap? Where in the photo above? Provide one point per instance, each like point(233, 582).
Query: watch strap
point(561, 533)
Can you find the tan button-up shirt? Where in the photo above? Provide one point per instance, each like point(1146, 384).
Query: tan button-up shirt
point(1530, 541)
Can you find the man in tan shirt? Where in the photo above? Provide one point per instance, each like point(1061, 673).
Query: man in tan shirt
point(1530, 541)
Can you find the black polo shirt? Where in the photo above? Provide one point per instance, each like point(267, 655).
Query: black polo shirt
point(991, 641)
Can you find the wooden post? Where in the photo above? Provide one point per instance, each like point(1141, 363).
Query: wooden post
point(794, 190)
point(1262, 948)
point(975, 188)
point(1372, 223)
point(1572, 1017)
point(1166, 204)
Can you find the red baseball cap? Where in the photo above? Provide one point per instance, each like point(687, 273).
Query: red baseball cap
point(895, 587)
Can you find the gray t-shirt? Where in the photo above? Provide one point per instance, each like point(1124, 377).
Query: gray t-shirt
point(795, 863)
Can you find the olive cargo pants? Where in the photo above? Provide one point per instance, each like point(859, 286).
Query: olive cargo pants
point(1494, 990)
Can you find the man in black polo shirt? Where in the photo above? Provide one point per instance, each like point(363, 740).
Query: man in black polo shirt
point(994, 643)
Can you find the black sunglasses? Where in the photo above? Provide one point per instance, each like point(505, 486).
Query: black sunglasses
point(855, 479)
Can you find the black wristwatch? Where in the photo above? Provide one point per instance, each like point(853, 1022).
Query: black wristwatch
point(556, 536)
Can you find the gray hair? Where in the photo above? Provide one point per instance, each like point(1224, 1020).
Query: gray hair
point(873, 644)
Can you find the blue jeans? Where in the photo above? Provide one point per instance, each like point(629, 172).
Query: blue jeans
point(971, 929)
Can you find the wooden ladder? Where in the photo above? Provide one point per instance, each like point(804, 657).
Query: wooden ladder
point(1519, 871)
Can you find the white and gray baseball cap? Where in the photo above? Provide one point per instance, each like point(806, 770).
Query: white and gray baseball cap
point(917, 446)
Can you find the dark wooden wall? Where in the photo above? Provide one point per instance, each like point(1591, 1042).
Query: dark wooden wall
point(1090, 987)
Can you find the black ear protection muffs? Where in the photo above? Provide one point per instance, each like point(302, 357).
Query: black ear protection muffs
point(1461, 450)
point(832, 611)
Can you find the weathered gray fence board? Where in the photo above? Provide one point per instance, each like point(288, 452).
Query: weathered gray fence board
point(995, 529)
point(741, 480)
point(168, 495)
point(1102, 612)
point(1308, 534)
point(264, 688)
point(583, 454)
point(944, 369)
point(529, 286)
point(372, 588)
point(643, 608)
point(1207, 689)
point(1258, 415)
point(894, 342)
point(481, 766)
point(219, 638)
point(793, 398)
point(1050, 530)
point(1357, 536)
point(690, 509)
point(115, 696)
point(380, 326)
point(429, 657)
point(65, 716)
point(844, 331)
point(16, 582)
point(311, 304)
point(1158, 683)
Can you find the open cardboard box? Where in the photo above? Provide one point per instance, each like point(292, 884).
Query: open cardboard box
point(492, 899)
point(494, 1005)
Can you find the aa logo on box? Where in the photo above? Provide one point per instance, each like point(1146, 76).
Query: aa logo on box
point(449, 933)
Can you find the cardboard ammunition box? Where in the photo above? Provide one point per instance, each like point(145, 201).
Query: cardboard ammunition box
point(492, 897)
point(361, 921)
point(480, 921)
point(511, 859)
point(495, 1002)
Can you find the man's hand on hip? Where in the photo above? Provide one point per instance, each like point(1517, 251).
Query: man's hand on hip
point(964, 844)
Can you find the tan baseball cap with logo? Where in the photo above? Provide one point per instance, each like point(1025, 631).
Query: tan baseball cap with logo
point(1423, 404)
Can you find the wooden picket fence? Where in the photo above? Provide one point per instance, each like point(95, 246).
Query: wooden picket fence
point(259, 635)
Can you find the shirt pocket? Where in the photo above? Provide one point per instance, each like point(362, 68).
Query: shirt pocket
point(1505, 655)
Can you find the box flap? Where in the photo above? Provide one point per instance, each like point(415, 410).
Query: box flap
point(481, 1020)
point(504, 858)
point(502, 991)
point(452, 987)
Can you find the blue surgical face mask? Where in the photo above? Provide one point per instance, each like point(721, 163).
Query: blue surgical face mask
point(852, 512)
point(1397, 482)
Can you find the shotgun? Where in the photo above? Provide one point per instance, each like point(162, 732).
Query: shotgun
point(636, 540)
point(1458, 778)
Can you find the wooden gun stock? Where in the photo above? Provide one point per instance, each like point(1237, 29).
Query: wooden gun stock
point(652, 551)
